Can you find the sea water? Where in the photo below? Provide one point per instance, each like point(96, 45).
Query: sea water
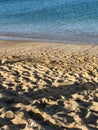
point(52, 20)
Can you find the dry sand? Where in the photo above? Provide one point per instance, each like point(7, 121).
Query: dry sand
point(46, 86)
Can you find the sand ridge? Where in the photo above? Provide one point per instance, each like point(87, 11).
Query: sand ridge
point(48, 86)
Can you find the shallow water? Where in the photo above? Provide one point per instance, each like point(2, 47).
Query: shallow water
point(54, 20)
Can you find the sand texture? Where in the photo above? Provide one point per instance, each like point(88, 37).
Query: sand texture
point(48, 86)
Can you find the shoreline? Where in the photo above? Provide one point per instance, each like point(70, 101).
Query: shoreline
point(48, 38)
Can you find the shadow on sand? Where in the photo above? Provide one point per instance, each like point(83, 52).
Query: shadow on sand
point(53, 101)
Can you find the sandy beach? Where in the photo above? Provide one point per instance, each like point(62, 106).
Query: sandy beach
point(48, 86)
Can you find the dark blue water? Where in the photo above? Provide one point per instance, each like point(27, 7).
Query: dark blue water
point(54, 20)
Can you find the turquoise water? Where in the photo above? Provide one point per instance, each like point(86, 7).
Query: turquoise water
point(53, 20)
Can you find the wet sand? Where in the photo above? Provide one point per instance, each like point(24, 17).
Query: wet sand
point(48, 86)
